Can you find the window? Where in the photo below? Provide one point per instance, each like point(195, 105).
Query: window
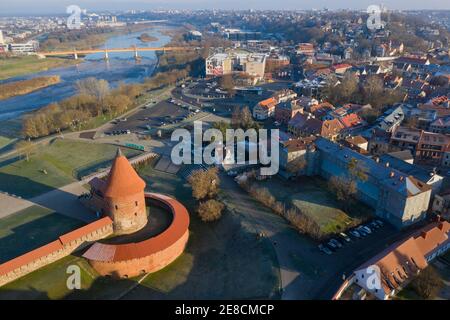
point(116, 207)
point(137, 203)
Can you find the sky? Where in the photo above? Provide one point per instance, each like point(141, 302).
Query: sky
point(58, 6)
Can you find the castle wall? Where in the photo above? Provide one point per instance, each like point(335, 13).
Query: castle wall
point(135, 267)
point(64, 246)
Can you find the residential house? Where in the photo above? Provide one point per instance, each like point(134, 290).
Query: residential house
point(404, 260)
point(286, 110)
point(406, 138)
point(265, 109)
point(431, 148)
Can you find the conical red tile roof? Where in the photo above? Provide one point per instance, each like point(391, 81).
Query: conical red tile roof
point(123, 179)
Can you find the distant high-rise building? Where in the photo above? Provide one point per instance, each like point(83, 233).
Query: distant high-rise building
point(2, 40)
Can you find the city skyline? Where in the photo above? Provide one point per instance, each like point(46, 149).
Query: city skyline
point(51, 6)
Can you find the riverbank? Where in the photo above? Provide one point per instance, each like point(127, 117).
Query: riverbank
point(18, 88)
point(23, 65)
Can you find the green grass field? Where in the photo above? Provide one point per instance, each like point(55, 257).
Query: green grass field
point(311, 196)
point(30, 228)
point(4, 141)
point(55, 165)
point(18, 66)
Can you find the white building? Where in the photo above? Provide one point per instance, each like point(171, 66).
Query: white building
point(22, 48)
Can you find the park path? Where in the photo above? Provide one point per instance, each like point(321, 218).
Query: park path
point(63, 200)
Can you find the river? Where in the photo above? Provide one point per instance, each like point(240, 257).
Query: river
point(121, 67)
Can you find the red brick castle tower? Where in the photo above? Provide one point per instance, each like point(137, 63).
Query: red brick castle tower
point(123, 197)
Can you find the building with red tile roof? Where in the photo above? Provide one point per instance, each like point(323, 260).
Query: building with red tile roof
point(402, 261)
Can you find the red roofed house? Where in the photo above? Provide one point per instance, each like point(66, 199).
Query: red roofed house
point(402, 261)
point(265, 109)
point(340, 69)
point(351, 121)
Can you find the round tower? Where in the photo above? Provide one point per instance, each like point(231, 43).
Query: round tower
point(124, 197)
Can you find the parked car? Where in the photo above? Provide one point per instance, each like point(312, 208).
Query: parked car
point(362, 232)
point(332, 245)
point(336, 242)
point(324, 249)
point(374, 225)
point(355, 233)
point(345, 237)
point(379, 222)
point(367, 229)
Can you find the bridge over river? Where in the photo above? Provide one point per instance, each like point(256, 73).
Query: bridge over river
point(106, 52)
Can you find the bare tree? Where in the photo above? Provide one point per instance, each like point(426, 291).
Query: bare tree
point(210, 210)
point(205, 184)
point(93, 87)
point(26, 148)
point(428, 283)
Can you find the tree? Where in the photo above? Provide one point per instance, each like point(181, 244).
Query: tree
point(93, 87)
point(356, 170)
point(204, 184)
point(242, 119)
point(428, 283)
point(373, 90)
point(343, 188)
point(227, 83)
point(25, 148)
point(210, 210)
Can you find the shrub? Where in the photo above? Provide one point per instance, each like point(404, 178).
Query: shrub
point(210, 210)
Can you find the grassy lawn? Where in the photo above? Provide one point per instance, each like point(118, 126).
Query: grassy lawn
point(311, 196)
point(48, 282)
point(55, 165)
point(18, 66)
point(4, 141)
point(31, 228)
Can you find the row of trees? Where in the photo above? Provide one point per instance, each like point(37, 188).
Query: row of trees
point(94, 98)
point(205, 188)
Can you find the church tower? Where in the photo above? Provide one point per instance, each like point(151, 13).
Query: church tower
point(124, 199)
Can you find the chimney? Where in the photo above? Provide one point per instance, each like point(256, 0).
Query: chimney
point(402, 178)
point(441, 226)
point(392, 174)
point(423, 234)
point(377, 159)
point(387, 164)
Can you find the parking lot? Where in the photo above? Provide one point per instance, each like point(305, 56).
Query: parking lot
point(153, 116)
